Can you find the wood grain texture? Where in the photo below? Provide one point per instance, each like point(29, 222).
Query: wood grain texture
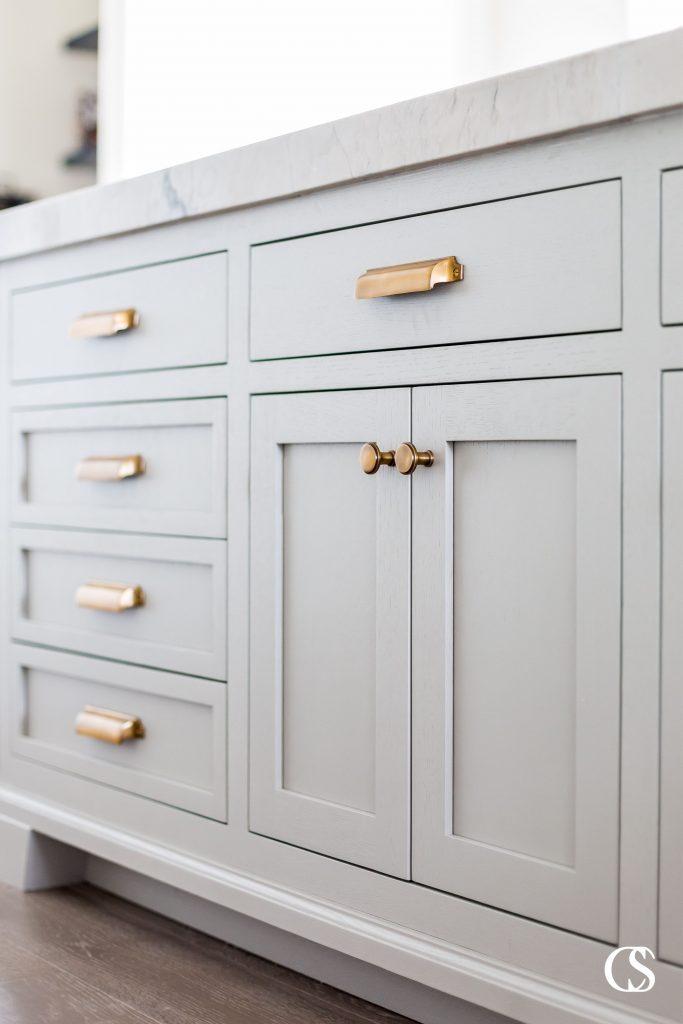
point(80, 955)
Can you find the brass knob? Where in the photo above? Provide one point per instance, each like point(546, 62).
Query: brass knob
point(408, 458)
point(371, 458)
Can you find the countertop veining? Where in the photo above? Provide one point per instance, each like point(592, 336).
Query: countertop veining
point(618, 83)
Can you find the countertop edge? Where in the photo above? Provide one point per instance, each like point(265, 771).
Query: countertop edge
point(619, 83)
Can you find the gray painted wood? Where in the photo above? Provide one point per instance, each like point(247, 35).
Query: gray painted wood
point(330, 620)
point(179, 761)
point(183, 487)
point(182, 308)
point(181, 625)
point(671, 855)
point(672, 247)
point(535, 265)
point(534, 971)
point(516, 630)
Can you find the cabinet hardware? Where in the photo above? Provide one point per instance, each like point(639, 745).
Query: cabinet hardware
point(104, 325)
point(108, 726)
point(408, 277)
point(371, 458)
point(408, 458)
point(110, 467)
point(109, 597)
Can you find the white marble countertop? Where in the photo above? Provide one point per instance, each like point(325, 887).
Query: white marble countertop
point(605, 86)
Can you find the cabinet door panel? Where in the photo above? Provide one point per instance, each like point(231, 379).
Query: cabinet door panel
point(330, 729)
point(671, 864)
point(516, 579)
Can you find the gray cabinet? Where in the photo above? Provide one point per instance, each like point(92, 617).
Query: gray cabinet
point(671, 819)
point(330, 648)
point(515, 557)
point(516, 639)
point(672, 246)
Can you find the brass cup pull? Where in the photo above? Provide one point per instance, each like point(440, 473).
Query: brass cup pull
point(104, 325)
point(408, 277)
point(110, 467)
point(371, 458)
point(109, 597)
point(408, 458)
point(108, 726)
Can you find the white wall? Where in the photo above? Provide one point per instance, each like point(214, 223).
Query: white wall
point(39, 86)
point(183, 78)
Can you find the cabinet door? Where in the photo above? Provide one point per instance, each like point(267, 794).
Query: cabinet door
point(516, 637)
point(671, 856)
point(330, 620)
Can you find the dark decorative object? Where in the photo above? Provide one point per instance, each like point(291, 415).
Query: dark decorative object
point(83, 41)
point(86, 154)
point(10, 197)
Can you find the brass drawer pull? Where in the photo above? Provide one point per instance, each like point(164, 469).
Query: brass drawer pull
point(371, 458)
point(104, 325)
point(408, 458)
point(108, 726)
point(110, 467)
point(408, 277)
point(109, 597)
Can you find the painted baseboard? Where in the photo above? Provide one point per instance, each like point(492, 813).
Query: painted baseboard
point(344, 972)
point(30, 861)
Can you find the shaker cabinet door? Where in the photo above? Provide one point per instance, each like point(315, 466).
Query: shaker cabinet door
point(516, 639)
point(671, 855)
point(330, 622)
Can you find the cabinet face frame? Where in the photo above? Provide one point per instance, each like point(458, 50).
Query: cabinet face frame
point(380, 838)
point(671, 797)
point(583, 896)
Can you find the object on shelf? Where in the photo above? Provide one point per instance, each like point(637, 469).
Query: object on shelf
point(11, 196)
point(83, 41)
point(85, 155)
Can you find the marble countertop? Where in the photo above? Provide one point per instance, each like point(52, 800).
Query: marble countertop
point(605, 86)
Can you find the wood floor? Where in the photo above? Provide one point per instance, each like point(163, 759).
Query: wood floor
point(80, 956)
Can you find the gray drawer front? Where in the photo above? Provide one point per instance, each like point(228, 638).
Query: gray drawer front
point(536, 265)
point(181, 626)
point(672, 247)
point(179, 761)
point(183, 321)
point(182, 489)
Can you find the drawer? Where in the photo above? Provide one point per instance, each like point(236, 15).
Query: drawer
point(71, 467)
point(541, 264)
point(180, 759)
point(181, 307)
point(180, 625)
point(672, 246)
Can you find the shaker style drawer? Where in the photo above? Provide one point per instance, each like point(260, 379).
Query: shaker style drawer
point(165, 315)
point(148, 600)
point(536, 265)
point(155, 734)
point(672, 246)
point(157, 467)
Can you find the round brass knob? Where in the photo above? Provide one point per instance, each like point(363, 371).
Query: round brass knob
point(371, 458)
point(408, 458)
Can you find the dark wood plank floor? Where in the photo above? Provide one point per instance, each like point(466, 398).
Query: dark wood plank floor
point(80, 956)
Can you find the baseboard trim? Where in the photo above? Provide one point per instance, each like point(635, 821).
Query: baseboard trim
point(349, 974)
point(454, 971)
point(31, 861)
